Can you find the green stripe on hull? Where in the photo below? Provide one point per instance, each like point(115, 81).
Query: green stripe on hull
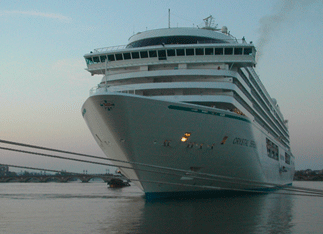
point(195, 110)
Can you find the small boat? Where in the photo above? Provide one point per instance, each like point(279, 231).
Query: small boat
point(118, 183)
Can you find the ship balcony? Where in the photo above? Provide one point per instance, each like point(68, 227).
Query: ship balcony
point(212, 94)
point(224, 100)
point(169, 88)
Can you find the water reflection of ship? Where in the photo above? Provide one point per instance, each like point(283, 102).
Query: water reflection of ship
point(266, 213)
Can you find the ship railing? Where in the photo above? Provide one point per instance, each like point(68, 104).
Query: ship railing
point(277, 111)
point(102, 89)
point(111, 48)
point(120, 47)
point(99, 89)
point(96, 90)
point(256, 77)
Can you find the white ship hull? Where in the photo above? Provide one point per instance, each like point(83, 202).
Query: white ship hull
point(146, 130)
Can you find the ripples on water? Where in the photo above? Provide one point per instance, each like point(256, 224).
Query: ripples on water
point(94, 208)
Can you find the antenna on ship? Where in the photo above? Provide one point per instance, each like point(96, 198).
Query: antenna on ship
point(168, 18)
point(208, 21)
point(209, 24)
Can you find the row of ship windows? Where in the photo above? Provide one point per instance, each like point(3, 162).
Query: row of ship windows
point(273, 152)
point(163, 54)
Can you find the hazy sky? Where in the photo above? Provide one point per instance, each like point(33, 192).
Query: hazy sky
point(43, 83)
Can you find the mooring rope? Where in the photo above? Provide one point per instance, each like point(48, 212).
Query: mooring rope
point(187, 173)
point(196, 175)
point(209, 187)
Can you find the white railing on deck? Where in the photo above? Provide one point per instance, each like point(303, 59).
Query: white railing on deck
point(97, 90)
point(111, 48)
point(120, 47)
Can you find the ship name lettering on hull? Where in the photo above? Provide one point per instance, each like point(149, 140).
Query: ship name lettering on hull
point(244, 142)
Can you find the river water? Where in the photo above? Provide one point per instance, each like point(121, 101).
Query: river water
point(77, 207)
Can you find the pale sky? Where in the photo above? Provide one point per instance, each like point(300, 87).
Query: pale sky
point(43, 83)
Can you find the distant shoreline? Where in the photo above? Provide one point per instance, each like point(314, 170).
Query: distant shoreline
point(308, 175)
point(307, 179)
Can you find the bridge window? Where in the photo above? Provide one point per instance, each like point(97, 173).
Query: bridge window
point(238, 51)
point(119, 57)
point(272, 149)
point(89, 61)
point(247, 51)
point(143, 54)
point(228, 51)
point(199, 51)
point(180, 52)
point(126, 56)
point(162, 54)
point(189, 52)
point(96, 59)
point(135, 55)
point(287, 158)
point(218, 51)
point(111, 57)
point(209, 51)
point(170, 52)
point(103, 58)
point(152, 53)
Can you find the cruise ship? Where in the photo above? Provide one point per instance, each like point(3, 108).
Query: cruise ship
point(183, 112)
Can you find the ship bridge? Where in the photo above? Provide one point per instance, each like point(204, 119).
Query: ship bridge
point(172, 46)
point(126, 59)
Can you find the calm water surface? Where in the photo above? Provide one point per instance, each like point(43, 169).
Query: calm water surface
point(94, 208)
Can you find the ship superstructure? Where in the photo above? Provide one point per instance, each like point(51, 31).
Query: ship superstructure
point(188, 99)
